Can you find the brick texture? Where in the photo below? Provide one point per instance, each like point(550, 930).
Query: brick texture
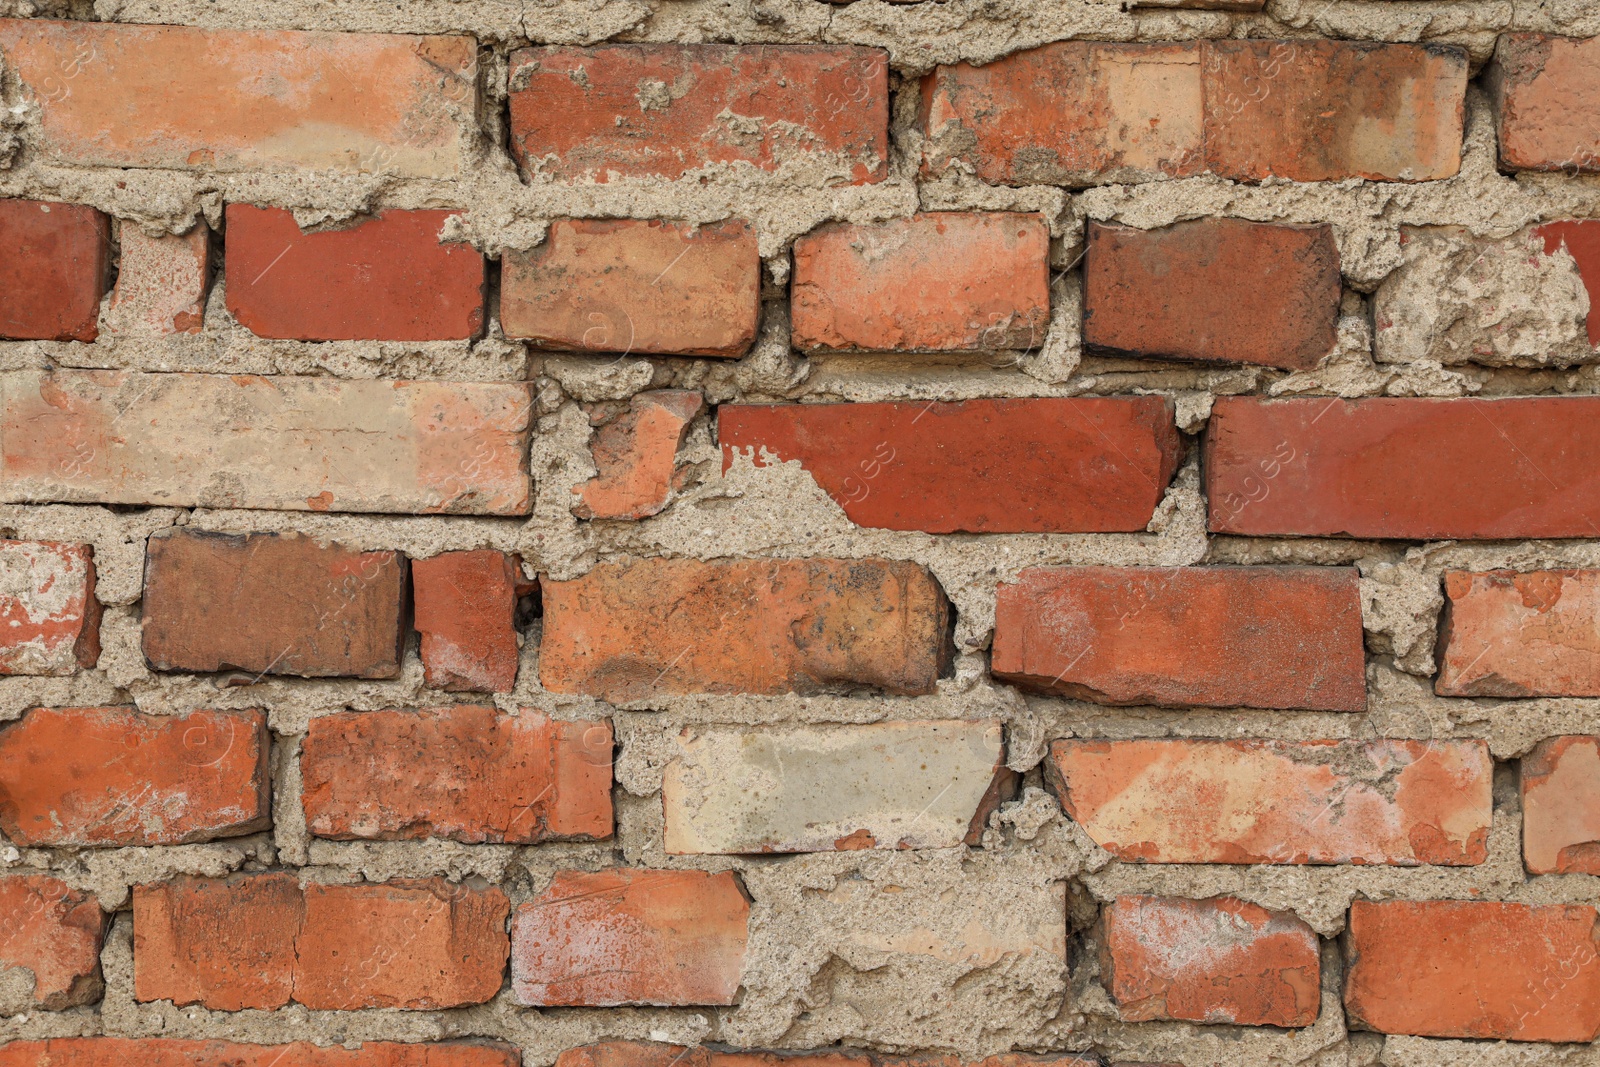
point(49, 617)
point(55, 932)
point(465, 773)
point(1259, 637)
point(1546, 92)
point(1507, 634)
point(113, 776)
point(630, 937)
point(55, 267)
point(635, 453)
point(162, 283)
point(167, 1052)
point(1580, 240)
point(465, 609)
point(1083, 464)
point(1561, 806)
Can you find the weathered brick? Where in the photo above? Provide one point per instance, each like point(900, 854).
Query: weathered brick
point(1213, 290)
point(387, 278)
point(940, 281)
point(635, 453)
point(167, 1052)
point(1458, 968)
point(667, 110)
point(466, 612)
point(1136, 115)
point(1414, 468)
point(466, 773)
point(646, 1054)
point(1255, 637)
point(271, 604)
point(181, 97)
point(1561, 806)
point(1210, 961)
point(202, 440)
point(639, 286)
point(822, 788)
point(49, 617)
point(161, 283)
point(628, 631)
point(1372, 802)
point(115, 776)
point(1546, 93)
point(1520, 635)
point(54, 931)
point(627, 936)
point(258, 941)
point(55, 267)
point(1048, 465)
point(1325, 110)
point(1516, 301)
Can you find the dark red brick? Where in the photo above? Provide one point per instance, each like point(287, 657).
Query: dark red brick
point(54, 270)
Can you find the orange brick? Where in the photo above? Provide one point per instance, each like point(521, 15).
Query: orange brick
point(55, 267)
point(667, 110)
point(466, 773)
point(226, 944)
point(628, 936)
point(935, 282)
point(1213, 290)
point(1477, 969)
point(49, 617)
point(627, 631)
point(54, 931)
point(1135, 115)
point(161, 283)
point(636, 455)
point(86, 777)
point(466, 611)
point(180, 97)
point(1388, 802)
point(1561, 806)
point(1520, 635)
point(1210, 961)
point(1221, 637)
point(164, 1052)
point(1325, 110)
point(636, 286)
point(1546, 93)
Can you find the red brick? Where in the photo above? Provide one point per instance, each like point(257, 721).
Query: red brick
point(628, 631)
point(466, 773)
point(388, 278)
point(1220, 637)
point(271, 603)
point(635, 453)
point(1483, 969)
point(628, 936)
point(49, 617)
point(85, 777)
point(667, 110)
point(161, 283)
point(1388, 802)
point(1546, 93)
point(180, 97)
point(1413, 468)
point(1581, 239)
point(1213, 290)
point(54, 931)
point(1520, 635)
point(55, 267)
point(1324, 110)
point(1135, 115)
point(1210, 961)
point(1561, 806)
point(258, 941)
point(1069, 465)
point(636, 286)
point(941, 281)
point(164, 1052)
point(466, 611)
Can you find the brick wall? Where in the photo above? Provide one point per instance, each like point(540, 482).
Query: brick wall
point(959, 533)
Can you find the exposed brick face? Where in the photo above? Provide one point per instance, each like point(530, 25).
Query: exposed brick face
point(1072, 465)
point(635, 453)
point(1520, 635)
point(630, 937)
point(936, 282)
point(1259, 637)
point(465, 773)
point(54, 931)
point(388, 278)
point(55, 267)
point(1561, 806)
point(1546, 99)
point(114, 776)
point(1213, 290)
point(656, 627)
point(667, 110)
point(49, 617)
point(1581, 240)
point(162, 283)
point(465, 609)
point(168, 1052)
